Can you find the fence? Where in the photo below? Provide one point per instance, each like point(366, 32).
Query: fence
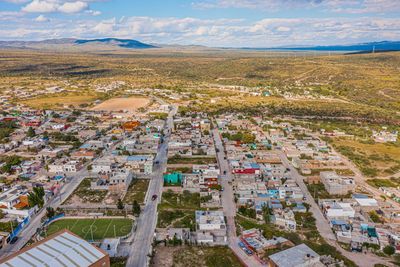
point(18, 229)
point(46, 222)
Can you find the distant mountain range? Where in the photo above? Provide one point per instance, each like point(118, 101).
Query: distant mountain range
point(115, 43)
point(364, 47)
point(82, 43)
point(125, 43)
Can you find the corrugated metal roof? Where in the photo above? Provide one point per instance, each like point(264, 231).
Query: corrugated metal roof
point(63, 250)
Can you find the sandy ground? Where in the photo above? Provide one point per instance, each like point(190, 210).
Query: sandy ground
point(125, 104)
point(164, 256)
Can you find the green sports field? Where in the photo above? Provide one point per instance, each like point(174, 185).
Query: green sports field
point(93, 229)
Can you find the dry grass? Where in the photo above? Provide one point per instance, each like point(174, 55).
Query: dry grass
point(60, 101)
point(126, 104)
point(384, 158)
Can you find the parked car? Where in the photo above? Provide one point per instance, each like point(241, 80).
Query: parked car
point(248, 251)
point(241, 244)
point(14, 239)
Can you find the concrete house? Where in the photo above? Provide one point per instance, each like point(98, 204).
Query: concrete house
point(336, 184)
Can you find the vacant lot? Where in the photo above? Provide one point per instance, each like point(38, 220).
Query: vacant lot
point(129, 104)
point(137, 191)
point(93, 229)
point(177, 210)
point(373, 159)
point(186, 200)
point(195, 256)
point(83, 194)
point(60, 101)
point(191, 160)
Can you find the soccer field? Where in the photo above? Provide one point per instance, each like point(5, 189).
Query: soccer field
point(93, 229)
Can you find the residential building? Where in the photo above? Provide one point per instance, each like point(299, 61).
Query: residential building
point(336, 184)
point(298, 256)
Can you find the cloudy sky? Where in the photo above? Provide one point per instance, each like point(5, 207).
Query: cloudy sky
point(233, 23)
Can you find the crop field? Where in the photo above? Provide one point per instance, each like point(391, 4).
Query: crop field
point(93, 229)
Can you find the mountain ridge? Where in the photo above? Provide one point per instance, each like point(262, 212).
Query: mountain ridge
point(119, 43)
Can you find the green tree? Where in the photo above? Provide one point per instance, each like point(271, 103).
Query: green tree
point(31, 132)
point(135, 208)
point(36, 197)
point(389, 250)
point(120, 204)
point(50, 212)
point(9, 162)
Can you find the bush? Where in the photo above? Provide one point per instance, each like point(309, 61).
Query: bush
point(389, 250)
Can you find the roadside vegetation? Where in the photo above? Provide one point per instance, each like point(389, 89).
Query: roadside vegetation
point(136, 191)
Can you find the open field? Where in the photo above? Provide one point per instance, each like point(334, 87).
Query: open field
point(136, 191)
point(373, 159)
point(83, 194)
point(177, 210)
point(129, 104)
point(59, 101)
point(362, 86)
point(191, 160)
point(195, 256)
point(99, 228)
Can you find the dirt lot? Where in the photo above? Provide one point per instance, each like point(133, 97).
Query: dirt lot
point(126, 104)
point(181, 256)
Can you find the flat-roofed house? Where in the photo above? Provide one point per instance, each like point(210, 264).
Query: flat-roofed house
point(298, 256)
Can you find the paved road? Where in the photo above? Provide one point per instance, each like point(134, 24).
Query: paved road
point(29, 231)
point(228, 203)
point(323, 224)
point(35, 222)
point(146, 223)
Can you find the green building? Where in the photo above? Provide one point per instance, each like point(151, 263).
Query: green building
point(173, 178)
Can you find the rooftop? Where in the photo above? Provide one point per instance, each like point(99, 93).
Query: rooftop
point(61, 249)
point(295, 256)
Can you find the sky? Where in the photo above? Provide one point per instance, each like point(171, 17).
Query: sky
point(216, 23)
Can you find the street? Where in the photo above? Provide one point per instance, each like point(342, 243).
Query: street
point(36, 221)
point(323, 224)
point(229, 205)
point(146, 223)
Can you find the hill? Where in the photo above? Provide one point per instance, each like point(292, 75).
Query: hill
point(364, 47)
point(124, 43)
point(91, 44)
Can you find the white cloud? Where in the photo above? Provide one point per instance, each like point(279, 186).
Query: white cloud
point(214, 32)
point(73, 7)
point(93, 12)
point(342, 6)
point(63, 6)
point(39, 6)
point(41, 18)
point(105, 27)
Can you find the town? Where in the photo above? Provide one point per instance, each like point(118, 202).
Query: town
point(133, 187)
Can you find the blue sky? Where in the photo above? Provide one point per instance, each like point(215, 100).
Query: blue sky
point(233, 23)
